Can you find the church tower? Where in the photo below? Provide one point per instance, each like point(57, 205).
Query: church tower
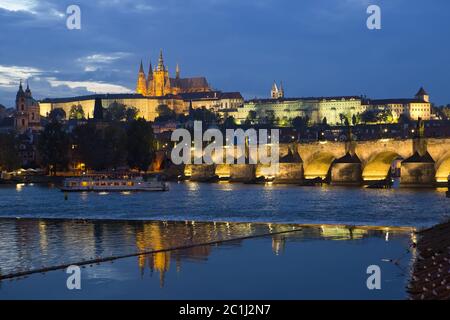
point(277, 92)
point(141, 86)
point(27, 110)
point(161, 82)
point(422, 95)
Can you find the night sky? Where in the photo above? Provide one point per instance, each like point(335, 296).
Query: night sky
point(316, 47)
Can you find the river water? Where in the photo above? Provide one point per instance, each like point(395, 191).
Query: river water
point(41, 228)
point(235, 202)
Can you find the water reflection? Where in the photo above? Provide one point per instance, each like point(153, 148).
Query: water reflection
point(39, 243)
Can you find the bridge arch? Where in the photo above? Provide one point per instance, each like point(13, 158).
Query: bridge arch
point(378, 165)
point(443, 168)
point(318, 165)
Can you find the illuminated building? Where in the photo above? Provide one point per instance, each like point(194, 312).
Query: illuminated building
point(153, 90)
point(158, 82)
point(27, 115)
point(277, 92)
point(418, 107)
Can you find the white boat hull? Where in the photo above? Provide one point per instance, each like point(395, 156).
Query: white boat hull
point(112, 185)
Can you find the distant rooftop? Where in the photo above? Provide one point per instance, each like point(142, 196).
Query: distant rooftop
point(337, 98)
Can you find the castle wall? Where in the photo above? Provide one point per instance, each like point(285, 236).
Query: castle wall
point(147, 107)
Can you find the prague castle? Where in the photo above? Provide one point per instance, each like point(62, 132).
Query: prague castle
point(153, 90)
point(157, 88)
point(159, 84)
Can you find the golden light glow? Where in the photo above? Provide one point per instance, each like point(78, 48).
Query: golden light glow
point(378, 168)
point(443, 171)
point(319, 167)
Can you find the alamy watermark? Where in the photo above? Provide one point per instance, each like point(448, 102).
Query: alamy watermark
point(237, 147)
point(73, 21)
point(74, 280)
point(374, 20)
point(374, 280)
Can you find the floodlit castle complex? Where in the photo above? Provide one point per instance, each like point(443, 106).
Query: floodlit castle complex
point(157, 88)
point(152, 90)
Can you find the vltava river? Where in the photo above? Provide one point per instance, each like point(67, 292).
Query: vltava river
point(235, 202)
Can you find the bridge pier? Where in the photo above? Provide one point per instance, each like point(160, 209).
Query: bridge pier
point(418, 171)
point(347, 170)
point(289, 173)
point(203, 172)
point(242, 172)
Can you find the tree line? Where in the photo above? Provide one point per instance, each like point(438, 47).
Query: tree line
point(99, 145)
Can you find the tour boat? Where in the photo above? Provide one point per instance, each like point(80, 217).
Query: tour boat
point(118, 184)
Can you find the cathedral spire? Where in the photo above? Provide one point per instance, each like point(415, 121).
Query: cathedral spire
point(177, 72)
point(28, 91)
point(161, 61)
point(150, 72)
point(141, 85)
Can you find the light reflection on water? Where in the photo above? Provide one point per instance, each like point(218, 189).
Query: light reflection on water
point(37, 243)
point(320, 261)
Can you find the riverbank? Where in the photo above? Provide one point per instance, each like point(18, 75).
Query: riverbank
point(431, 272)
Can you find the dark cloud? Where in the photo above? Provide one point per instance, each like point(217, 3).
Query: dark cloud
point(317, 47)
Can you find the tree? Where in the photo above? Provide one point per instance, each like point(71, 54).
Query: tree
point(140, 144)
point(204, 115)
point(76, 112)
point(300, 122)
point(377, 116)
point(115, 146)
point(229, 122)
point(164, 113)
point(98, 109)
point(100, 149)
point(57, 115)
point(346, 122)
point(354, 120)
point(343, 118)
point(53, 146)
point(9, 155)
point(87, 146)
point(131, 113)
point(403, 118)
point(446, 111)
point(251, 117)
point(325, 121)
point(115, 112)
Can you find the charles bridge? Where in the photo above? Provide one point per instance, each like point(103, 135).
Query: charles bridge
point(421, 162)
